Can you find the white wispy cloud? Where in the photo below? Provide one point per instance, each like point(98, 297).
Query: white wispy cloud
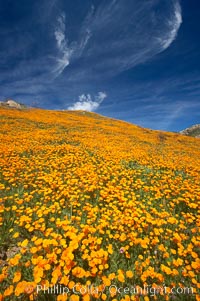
point(174, 25)
point(120, 35)
point(115, 36)
point(60, 33)
point(85, 33)
point(64, 51)
point(86, 103)
point(70, 50)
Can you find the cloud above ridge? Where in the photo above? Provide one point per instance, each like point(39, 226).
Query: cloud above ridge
point(86, 103)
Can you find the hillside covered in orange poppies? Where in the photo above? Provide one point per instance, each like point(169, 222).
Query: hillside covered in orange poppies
point(89, 201)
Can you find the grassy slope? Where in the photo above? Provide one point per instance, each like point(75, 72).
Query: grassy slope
point(75, 185)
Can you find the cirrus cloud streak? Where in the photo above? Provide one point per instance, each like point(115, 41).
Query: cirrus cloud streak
point(118, 35)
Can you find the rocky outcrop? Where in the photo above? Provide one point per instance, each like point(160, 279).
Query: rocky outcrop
point(193, 131)
point(11, 104)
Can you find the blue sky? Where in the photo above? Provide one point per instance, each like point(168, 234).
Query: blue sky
point(134, 60)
